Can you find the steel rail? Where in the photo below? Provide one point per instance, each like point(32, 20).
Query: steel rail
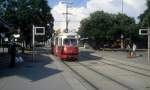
point(120, 67)
point(87, 81)
point(101, 74)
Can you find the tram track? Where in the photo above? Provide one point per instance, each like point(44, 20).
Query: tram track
point(122, 75)
point(125, 64)
point(86, 80)
point(123, 68)
point(128, 65)
point(99, 74)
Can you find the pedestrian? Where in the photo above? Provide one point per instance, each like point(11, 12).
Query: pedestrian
point(133, 54)
point(12, 54)
point(128, 48)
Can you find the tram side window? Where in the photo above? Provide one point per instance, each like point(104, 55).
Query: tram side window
point(56, 42)
point(60, 42)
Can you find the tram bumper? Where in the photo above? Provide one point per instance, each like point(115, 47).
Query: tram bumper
point(71, 57)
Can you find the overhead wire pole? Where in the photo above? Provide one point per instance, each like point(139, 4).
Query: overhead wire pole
point(122, 6)
point(148, 47)
point(67, 13)
point(33, 42)
point(122, 36)
point(148, 44)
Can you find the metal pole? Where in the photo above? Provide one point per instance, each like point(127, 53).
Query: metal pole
point(122, 6)
point(148, 44)
point(33, 36)
point(67, 13)
point(33, 42)
point(103, 53)
point(122, 44)
point(66, 17)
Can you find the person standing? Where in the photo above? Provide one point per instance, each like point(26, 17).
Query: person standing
point(128, 48)
point(12, 54)
point(133, 50)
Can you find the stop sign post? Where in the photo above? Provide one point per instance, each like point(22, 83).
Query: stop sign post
point(147, 33)
point(36, 31)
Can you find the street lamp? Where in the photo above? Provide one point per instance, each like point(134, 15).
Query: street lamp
point(16, 36)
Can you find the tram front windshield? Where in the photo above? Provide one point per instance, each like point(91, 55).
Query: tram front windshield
point(69, 41)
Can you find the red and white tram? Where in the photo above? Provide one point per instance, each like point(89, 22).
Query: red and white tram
point(65, 46)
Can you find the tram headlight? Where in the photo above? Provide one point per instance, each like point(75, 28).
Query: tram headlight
point(65, 49)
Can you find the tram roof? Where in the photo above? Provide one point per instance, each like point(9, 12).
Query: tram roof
point(68, 34)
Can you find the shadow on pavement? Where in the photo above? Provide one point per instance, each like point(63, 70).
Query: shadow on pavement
point(87, 56)
point(4, 60)
point(32, 70)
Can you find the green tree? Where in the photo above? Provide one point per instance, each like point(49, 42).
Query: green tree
point(125, 25)
point(96, 26)
point(145, 17)
point(23, 14)
point(106, 28)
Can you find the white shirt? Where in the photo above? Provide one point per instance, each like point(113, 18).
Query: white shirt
point(134, 47)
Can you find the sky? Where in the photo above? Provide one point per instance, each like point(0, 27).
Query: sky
point(81, 9)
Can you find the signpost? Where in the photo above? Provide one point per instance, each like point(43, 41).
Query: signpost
point(146, 32)
point(36, 31)
point(122, 41)
point(2, 35)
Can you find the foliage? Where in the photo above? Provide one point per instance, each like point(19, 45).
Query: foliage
point(106, 28)
point(145, 17)
point(22, 14)
point(145, 21)
point(96, 26)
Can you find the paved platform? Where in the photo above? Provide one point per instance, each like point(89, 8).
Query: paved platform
point(45, 72)
point(42, 73)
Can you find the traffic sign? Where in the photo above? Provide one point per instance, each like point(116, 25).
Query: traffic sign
point(39, 30)
point(36, 31)
point(146, 32)
point(143, 32)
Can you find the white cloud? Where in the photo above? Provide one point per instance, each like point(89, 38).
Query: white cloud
point(57, 12)
point(132, 8)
